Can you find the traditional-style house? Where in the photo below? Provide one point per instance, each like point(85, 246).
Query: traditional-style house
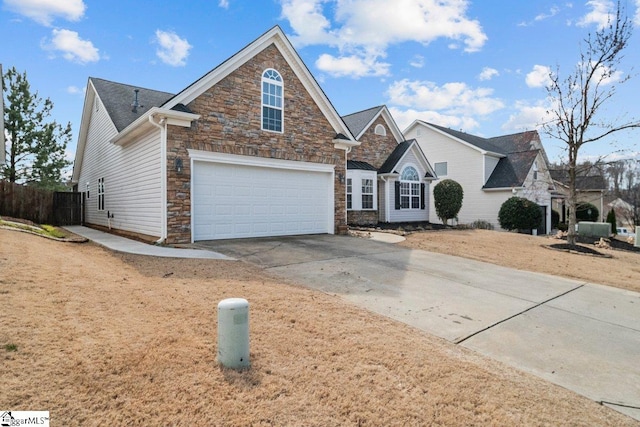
point(253, 148)
point(388, 178)
point(490, 170)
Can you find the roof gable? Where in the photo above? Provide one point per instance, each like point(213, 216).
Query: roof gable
point(395, 158)
point(275, 36)
point(358, 123)
point(517, 153)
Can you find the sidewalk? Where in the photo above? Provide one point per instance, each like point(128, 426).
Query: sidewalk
point(122, 244)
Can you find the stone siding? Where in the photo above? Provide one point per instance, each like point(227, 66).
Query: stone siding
point(362, 218)
point(374, 149)
point(231, 123)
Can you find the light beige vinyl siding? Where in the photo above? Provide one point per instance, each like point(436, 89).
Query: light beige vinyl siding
point(131, 178)
point(466, 166)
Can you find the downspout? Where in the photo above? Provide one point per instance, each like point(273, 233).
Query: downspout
point(386, 200)
point(161, 124)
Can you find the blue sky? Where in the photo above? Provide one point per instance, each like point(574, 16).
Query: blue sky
point(476, 66)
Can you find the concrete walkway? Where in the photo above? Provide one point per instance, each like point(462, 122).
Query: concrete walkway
point(581, 336)
point(122, 244)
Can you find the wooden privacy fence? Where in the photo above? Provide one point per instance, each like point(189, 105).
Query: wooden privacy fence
point(40, 206)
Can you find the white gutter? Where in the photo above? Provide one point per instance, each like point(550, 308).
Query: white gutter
point(162, 125)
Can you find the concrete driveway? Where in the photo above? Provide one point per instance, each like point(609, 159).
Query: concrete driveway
point(582, 336)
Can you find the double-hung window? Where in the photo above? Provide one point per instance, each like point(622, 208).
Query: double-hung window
point(100, 194)
point(272, 101)
point(410, 188)
point(367, 193)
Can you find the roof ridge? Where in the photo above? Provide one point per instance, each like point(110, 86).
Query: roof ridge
point(129, 85)
point(378, 107)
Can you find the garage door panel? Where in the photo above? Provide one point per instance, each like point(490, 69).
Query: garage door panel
point(232, 201)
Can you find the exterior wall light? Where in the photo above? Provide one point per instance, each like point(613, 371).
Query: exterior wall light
point(177, 163)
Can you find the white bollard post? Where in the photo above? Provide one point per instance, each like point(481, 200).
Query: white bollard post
point(233, 333)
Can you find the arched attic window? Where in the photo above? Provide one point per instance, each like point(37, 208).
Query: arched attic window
point(272, 100)
point(380, 130)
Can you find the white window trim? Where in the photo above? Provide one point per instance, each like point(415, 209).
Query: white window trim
point(356, 176)
point(372, 193)
point(435, 167)
point(262, 104)
point(410, 184)
point(349, 186)
point(101, 193)
point(380, 130)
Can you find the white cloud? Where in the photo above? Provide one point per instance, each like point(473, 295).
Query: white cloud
point(452, 98)
point(365, 28)
point(75, 90)
point(552, 12)
point(602, 11)
point(527, 116)
point(636, 18)
point(224, 4)
point(418, 60)
point(405, 117)
point(488, 73)
point(45, 11)
point(73, 48)
point(605, 76)
point(539, 76)
point(172, 50)
point(353, 66)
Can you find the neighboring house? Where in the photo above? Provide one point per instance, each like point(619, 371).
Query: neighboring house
point(625, 213)
point(490, 170)
point(253, 148)
point(589, 189)
point(388, 178)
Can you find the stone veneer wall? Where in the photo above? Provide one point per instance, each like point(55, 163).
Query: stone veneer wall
point(374, 149)
point(231, 123)
point(362, 218)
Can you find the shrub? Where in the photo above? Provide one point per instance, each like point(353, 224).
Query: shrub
point(555, 218)
point(481, 224)
point(518, 213)
point(586, 212)
point(447, 198)
point(611, 219)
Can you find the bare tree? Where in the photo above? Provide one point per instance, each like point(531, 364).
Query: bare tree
point(615, 172)
point(579, 96)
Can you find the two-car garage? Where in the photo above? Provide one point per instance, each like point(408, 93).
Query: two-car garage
point(241, 196)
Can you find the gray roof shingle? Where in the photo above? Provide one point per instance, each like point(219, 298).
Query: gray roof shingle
point(583, 182)
point(511, 171)
point(357, 122)
point(519, 150)
point(356, 164)
point(394, 157)
point(118, 99)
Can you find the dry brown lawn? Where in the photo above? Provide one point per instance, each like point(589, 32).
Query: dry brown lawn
point(100, 338)
point(530, 253)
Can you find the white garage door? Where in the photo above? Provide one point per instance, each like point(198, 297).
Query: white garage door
point(235, 201)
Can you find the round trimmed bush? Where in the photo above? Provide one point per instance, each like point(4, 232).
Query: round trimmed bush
point(518, 213)
point(447, 198)
point(587, 212)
